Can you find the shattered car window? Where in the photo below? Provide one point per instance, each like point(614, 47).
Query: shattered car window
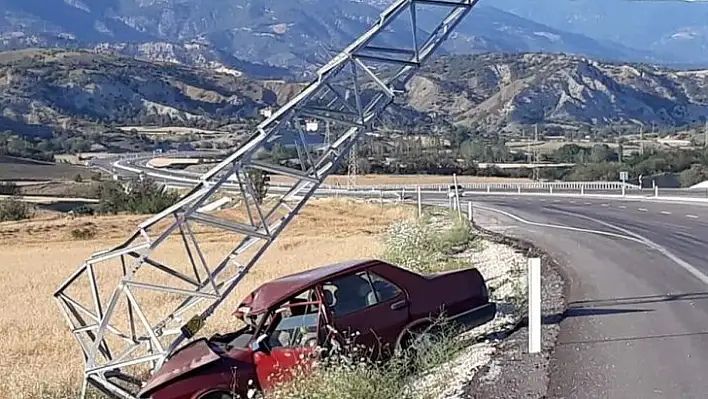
point(295, 322)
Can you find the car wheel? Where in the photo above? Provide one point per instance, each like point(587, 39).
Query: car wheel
point(218, 395)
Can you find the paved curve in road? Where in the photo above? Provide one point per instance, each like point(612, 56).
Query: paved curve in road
point(637, 324)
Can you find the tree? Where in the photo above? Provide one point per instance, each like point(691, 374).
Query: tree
point(260, 180)
point(696, 174)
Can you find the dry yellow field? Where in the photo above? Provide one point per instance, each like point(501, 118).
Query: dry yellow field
point(366, 180)
point(41, 359)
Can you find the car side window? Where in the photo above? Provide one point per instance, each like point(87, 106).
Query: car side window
point(294, 324)
point(358, 291)
point(383, 288)
point(348, 293)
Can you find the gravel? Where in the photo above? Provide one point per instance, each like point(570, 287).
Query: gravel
point(477, 370)
point(513, 372)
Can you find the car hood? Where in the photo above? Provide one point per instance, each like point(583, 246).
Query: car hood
point(191, 357)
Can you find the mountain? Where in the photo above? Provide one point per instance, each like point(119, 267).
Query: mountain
point(675, 31)
point(49, 89)
point(262, 38)
point(498, 91)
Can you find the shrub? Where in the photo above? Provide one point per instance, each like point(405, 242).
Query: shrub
point(344, 374)
point(260, 181)
point(14, 209)
point(9, 188)
point(141, 196)
point(78, 178)
point(419, 246)
point(84, 233)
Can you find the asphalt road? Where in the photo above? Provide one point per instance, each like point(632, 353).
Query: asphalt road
point(637, 324)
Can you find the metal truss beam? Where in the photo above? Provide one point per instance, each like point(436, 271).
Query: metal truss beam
point(133, 305)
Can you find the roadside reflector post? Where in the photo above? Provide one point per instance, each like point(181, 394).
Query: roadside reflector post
point(457, 196)
point(534, 281)
point(469, 211)
point(656, 190)
point(582, 189)
point(420, 203)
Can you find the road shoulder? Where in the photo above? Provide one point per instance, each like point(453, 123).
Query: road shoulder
point(513, 372)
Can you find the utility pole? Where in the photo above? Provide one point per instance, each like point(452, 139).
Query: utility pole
point(352, 169)
point(535, 155)
point(641, 139)
point(328, 137)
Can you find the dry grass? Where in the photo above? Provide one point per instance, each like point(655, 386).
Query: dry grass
point(365, 180)
point(40, 357)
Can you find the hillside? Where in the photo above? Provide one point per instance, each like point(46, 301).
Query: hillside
point(69, 89)
point(261, 37)
point(493, 91)
point(496, 91)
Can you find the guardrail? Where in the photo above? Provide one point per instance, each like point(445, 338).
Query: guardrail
point(550, 188)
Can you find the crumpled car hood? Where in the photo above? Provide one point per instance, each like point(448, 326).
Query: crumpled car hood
point(191, 357)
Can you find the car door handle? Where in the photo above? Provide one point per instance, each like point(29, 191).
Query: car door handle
point(399, 305)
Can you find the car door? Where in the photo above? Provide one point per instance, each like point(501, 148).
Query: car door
point(289, 343)
point(367, 304)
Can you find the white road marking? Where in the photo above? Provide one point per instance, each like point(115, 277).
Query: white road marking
point(587, 203)
point(605, 204)
point(558, 226)
point(543, 200)
point(666, 213)
point(685, 265)
point(642, 209)
point(572, 202)
point(692, 216)
point(622, 207)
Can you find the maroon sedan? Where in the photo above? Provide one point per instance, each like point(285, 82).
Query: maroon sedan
point(287, 318)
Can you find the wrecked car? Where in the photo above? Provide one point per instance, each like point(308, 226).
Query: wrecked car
point(286, 319)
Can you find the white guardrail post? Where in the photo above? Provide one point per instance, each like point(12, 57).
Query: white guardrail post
point(534, 281)
point(420, 203)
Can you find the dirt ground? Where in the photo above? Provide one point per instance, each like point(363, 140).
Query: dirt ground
point(40, 357)
point(23, 169)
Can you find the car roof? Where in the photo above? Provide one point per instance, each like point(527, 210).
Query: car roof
point(279, 289)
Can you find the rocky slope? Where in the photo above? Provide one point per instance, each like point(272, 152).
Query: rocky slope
point(493, 91)
point(259, 37)
point(41, 88)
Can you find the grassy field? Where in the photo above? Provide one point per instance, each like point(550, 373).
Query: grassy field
point(41, 359)
point(365, 180)
point(26, 169)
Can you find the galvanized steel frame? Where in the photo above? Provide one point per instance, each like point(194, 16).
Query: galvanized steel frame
point(90, 323)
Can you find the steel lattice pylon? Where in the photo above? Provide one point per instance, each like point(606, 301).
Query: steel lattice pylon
point(168, 277)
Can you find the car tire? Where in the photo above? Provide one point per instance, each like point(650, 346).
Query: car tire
point(218, 395)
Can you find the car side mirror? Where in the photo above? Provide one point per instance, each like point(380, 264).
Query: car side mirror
point(260, 344)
